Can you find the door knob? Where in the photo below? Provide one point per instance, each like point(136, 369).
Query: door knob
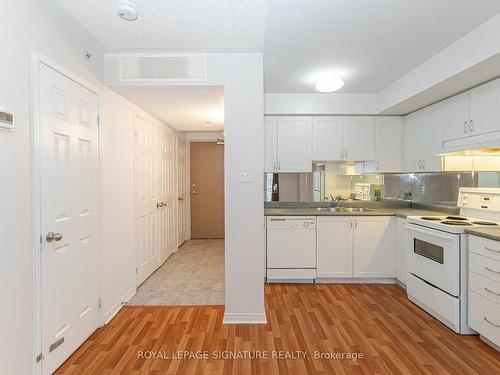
point(194, 192)
point(51, 236)
point(164, 204)
point(180, 198)
point(158, 204)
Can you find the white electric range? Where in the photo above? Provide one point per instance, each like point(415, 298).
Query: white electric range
point(437, 257)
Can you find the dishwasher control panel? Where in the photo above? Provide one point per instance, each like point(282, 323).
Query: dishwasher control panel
point(291, 222)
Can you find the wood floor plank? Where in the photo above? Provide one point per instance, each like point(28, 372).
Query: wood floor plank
point(393, 335)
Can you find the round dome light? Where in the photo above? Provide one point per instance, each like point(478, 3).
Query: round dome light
point(329, 84)
point(126, 10)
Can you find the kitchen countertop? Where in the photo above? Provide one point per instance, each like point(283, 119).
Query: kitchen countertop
point(307, 211)
point(486, 232)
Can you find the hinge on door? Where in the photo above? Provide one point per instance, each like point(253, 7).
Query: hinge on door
point(98, 120)
point(39, 357)
point(41, 239)
point(136, 269)
point(100, 302)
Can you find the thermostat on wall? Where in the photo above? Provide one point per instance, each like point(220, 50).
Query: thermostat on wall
point(6, 119)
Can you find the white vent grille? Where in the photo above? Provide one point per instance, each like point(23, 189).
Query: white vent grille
point(174, 68)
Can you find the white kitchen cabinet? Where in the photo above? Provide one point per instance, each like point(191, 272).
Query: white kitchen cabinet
point(472, 117)
point(402, 242)
point(388, 143)
point(334, 246)
point(294, 144)
point(270, 143)
point(328, 138)
point(414, 141)
point(456, 117)
point(374, 247)
point(355, 246)
point(422, 140)
point(287, 144)
point(484, 108)
point(359, 138)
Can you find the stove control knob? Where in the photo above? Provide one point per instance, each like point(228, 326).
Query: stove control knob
point(306, 224)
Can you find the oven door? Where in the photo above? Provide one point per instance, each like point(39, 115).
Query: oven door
point(434, 256)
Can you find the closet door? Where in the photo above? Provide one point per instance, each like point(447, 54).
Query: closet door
point(147, 205)
point(165, 201)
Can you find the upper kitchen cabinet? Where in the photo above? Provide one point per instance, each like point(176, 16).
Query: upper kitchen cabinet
point(422, 140)
point(472, 117)
point(388, 143)
point(287, 145)
point(343, 138)
point(270, 144)
point(359, 138)
point(328, 138)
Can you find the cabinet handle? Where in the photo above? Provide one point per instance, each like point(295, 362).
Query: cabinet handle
point(471, 126)
point(346, 154)
point(489, 321)
point(493, 250)
point(465, 127)
point(279, 165)
point(350, 224)
point(423, 163)
point(489, 269)
point(492, 292)
point(356, 221)
point(341, 154)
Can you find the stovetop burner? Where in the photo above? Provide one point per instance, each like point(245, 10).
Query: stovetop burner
point(457, 222)
point(492, 223)
point(431, 218)
point(454, 218)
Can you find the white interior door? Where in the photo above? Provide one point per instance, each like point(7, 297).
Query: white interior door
point(182, 192)
point(147, 203)
point(164, 196)
point(69, 216)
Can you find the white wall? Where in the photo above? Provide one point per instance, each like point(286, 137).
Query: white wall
point(242, 78)
point(117, 180)
point(25, 24)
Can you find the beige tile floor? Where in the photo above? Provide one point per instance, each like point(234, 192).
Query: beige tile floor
point(194, 275)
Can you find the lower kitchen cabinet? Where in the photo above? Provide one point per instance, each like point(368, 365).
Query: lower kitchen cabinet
point(355, 246)
point(334, 246)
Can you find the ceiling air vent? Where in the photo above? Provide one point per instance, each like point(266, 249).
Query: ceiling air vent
point(170, 68)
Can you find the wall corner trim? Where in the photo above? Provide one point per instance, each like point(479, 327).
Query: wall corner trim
point(242, 318)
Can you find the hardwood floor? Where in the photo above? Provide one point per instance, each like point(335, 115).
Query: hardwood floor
point(377, 321)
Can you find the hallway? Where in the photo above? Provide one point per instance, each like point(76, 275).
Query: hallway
point(194, 275)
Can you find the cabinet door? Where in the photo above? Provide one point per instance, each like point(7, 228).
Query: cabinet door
point(485, 108)
point(388, 143)
point(359, 138)
point(414, 141)
point(328, 138)
point(334, 246)
point(434, 138)
point(294, 144)
point(456, 117)
point(374, 244)
point(402, 242)
point(270, 140)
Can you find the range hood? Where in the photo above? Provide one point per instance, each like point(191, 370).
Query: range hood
point(476, 145)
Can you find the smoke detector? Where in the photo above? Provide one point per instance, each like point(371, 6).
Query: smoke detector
point(126, 10)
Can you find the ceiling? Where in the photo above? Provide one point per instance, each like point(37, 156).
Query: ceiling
point(369, 43)
point(185, 108)
point(194, 25)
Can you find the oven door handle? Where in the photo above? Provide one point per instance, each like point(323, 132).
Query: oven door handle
point(429, 232)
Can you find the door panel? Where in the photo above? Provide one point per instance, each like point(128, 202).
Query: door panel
point(485, 108)
point(359, 138)
point(270, 140)
point(207, 190)
point(147, 197)
point(294, 144)
point(374, 243)
point(334, 246)
point(69, 206)
point(456, 117)
point(328, 138)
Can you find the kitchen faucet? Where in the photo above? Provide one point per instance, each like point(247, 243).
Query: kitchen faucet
point(338, 201)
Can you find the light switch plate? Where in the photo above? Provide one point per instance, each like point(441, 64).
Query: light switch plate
point(244, 176)
point(6, 119)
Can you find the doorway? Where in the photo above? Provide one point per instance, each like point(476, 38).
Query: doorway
point(207, 190)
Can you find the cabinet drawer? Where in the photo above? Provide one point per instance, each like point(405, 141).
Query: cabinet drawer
point(484, 266)
point(484, 317)
point(484, 246)
point(485, 287)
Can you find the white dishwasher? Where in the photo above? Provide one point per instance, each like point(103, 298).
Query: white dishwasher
point(291, 249)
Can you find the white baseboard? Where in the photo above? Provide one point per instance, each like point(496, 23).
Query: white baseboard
point(356, 280)
point(241, 318)
point(117, 306)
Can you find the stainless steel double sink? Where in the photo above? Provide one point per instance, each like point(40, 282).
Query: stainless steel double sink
point(344, 209)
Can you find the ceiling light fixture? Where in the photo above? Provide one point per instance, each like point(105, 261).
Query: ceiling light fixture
point(329, 83)
point(126, 10)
